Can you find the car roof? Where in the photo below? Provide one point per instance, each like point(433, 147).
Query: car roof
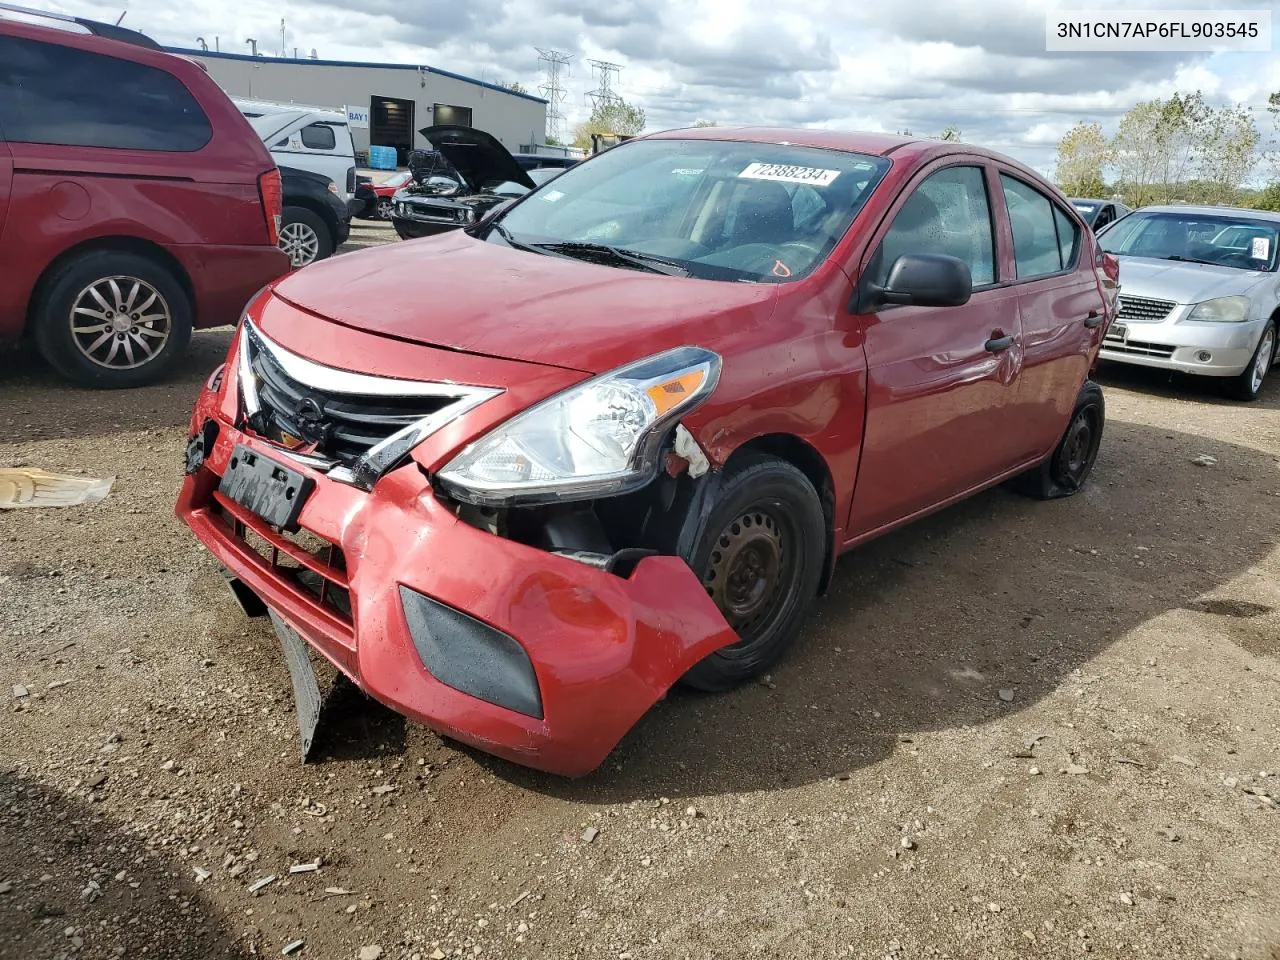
point(910, 148)
point(59, 25)
point(1221, 211)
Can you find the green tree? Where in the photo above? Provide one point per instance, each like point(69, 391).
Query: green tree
point(704, 123)
point(950, 133)
point(609, 117)
point(516, 87)
point(1267, 199)
point(1226, 144)
point(1082, 153)
point(1158, 144)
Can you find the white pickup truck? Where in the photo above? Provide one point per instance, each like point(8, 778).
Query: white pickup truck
point(306, 138)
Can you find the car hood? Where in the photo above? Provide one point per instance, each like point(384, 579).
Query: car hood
point(1184, 282)
point(465, 294)
point(477, 156)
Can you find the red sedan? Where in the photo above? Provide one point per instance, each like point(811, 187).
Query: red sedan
point(373, 200)
point(665, 390)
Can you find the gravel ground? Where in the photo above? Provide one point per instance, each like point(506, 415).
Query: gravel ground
point(1014, 729)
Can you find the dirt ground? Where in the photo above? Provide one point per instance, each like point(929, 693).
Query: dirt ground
point(1014, 729)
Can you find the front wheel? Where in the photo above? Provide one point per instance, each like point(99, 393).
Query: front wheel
point(304, 237)
point(384, 208)
point(1248, 384)
point(759, 552)
point(1071, 462)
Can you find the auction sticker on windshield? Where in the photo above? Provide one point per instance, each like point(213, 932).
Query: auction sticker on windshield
point(1261, 248)
point(814, 176)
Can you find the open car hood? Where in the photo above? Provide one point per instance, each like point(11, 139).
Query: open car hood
point(477, 156)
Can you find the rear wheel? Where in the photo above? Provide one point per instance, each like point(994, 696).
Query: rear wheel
point(112, 319)
point(759, 553)
point(304, 237)
point(1248, 384)
point(1071, 463)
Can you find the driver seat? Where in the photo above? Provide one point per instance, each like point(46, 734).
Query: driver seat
point(763, 214)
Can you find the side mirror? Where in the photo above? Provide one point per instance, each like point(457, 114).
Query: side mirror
point(923, 280)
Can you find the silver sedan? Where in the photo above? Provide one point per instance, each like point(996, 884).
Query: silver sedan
point(1199, 292)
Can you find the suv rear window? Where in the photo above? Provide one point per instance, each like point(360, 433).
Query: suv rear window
point(60, 95)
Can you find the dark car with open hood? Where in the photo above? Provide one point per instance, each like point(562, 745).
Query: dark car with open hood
point(482, 176)
point(517, 480)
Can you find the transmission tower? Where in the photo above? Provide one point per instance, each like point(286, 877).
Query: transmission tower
point(605, 74)
point(557, 69)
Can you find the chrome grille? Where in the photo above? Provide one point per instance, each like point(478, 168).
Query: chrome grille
point(353, 426)
point(1144, 309)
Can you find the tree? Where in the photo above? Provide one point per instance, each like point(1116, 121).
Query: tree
point(951, 133)
point(1082, 153)
point(704, 123)
point(1156, 147)
point(609, 117)
point(516, 87)
point(1226, 151)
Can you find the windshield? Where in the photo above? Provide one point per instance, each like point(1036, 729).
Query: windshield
point(1087, 211)
point(715, 209)
point(1216, 239)
point(399, 180)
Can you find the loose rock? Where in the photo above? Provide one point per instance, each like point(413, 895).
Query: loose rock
point(372, 952)
point(589, 834)
point(1007, 695)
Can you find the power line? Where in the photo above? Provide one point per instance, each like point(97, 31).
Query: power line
point(603, 93)
point(557, 68)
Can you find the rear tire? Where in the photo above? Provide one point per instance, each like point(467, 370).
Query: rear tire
point(1248, 384)
point(304, 236)
point(110, 319)
point(759, 552)
point(1069, 466)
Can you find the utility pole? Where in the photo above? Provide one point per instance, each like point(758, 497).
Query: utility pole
point(604, 94)
point(557, 69)
point(284, 51)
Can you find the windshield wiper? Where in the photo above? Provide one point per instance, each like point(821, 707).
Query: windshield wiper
point(603, 253)
point(1180, 259)
point(505, 234)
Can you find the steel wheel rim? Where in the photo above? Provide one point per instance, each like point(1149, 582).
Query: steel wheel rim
point(1262, 362)
point(384, 209)
point(300, 243)
point(751, 571)
point(120, 323)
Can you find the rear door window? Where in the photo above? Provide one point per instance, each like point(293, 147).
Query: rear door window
point(1044, 238)
point(59, 95)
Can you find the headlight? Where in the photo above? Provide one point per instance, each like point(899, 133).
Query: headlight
point(599, 438)
point(1222, 310)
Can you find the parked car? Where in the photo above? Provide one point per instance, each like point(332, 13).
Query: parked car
point(1201, 293)
point(373, 200)
point(312, 139)
point(315, 222)
point(1098, 213)
point(135, 202)
point(422, 215)
point(660, 397)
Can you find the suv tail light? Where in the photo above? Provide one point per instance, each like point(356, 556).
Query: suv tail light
point(351, 179)
point(1108, 264)
point(272, 193)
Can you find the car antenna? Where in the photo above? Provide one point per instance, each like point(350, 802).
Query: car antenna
point(121, 17)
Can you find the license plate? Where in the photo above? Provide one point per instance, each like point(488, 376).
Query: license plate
point(1118, 331)
point(265, 486)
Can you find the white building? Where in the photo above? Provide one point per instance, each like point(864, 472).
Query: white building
point(400, 99)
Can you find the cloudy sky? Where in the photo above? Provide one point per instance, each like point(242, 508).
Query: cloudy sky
point(913, 64)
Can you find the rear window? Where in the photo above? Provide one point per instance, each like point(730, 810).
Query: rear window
point(60, 95)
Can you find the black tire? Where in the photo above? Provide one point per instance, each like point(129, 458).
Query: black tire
point(768, 514)
point(1248, 384)
point(162, 328)
point(1068, 468)
point(304, 236)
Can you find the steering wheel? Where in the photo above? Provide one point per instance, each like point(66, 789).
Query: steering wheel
point(1239, 260)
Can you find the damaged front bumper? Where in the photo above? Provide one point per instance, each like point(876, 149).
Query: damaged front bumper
point(523, 653)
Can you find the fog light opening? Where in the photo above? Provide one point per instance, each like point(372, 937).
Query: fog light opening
point(1204, 356)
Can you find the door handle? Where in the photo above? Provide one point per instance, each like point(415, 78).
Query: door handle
point(999, 343)
point(1093, 319)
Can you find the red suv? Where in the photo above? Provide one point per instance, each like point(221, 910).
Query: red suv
point(665, 390)
point(135, 201)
